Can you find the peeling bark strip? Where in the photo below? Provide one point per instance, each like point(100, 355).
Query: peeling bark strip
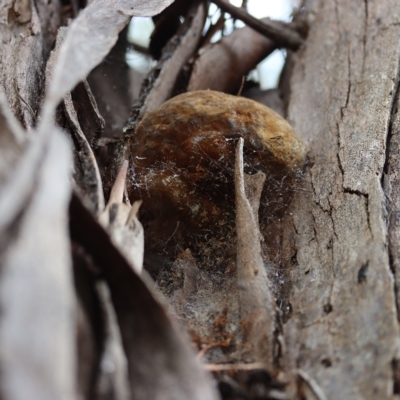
point(344, 327)
point(256, 304)
point(37, 333)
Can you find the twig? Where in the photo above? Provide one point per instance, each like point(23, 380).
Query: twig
point(173, 233)
point(204, 350)
point(241, 86)
point(234, 367)
point(117, 191)
point(213, 29)
point(134, 210)
point(29, 108)
point(313, 385)
point(283, 36)
point(139, 48)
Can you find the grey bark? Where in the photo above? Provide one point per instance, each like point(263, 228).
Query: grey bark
point(339, 248)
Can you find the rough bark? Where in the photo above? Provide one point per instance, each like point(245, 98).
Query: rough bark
point(342, 333)
point(27, 31)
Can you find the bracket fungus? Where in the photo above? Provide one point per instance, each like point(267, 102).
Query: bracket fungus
point(183, 156)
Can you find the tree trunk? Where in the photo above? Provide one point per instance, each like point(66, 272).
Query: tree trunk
point(340, 241)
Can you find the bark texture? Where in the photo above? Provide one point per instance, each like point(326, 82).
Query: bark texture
point(342, 335)
point(27, 33)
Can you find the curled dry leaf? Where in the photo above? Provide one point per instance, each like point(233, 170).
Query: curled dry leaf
point(161, 81)
point(89, 39)
point(102, 369)
point(185, 43)
point(37, 334)
point(121, 222)
point(161, 364)
point(91, 121)
point(115, 85)
point(88, 175)
point(86, 172)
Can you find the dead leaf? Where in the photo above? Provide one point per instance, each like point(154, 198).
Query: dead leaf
point(187, 40)
point(86, 171)
point(37, 332)
point(161, 364)
point(121, 222)
point(89, 39)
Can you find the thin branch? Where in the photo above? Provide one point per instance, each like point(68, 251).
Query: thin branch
point(282, 35)
point(317, 390)
point(29, 108)
point(173, 233)
point(241, 86)
point(213, 29)
point(133, 211)
point(117, 191)
point(139, 48)
point(235, 367)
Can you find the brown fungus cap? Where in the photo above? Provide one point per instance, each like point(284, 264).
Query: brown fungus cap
point(183, 156)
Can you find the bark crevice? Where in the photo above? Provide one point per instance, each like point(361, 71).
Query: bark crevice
point(388, 206)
